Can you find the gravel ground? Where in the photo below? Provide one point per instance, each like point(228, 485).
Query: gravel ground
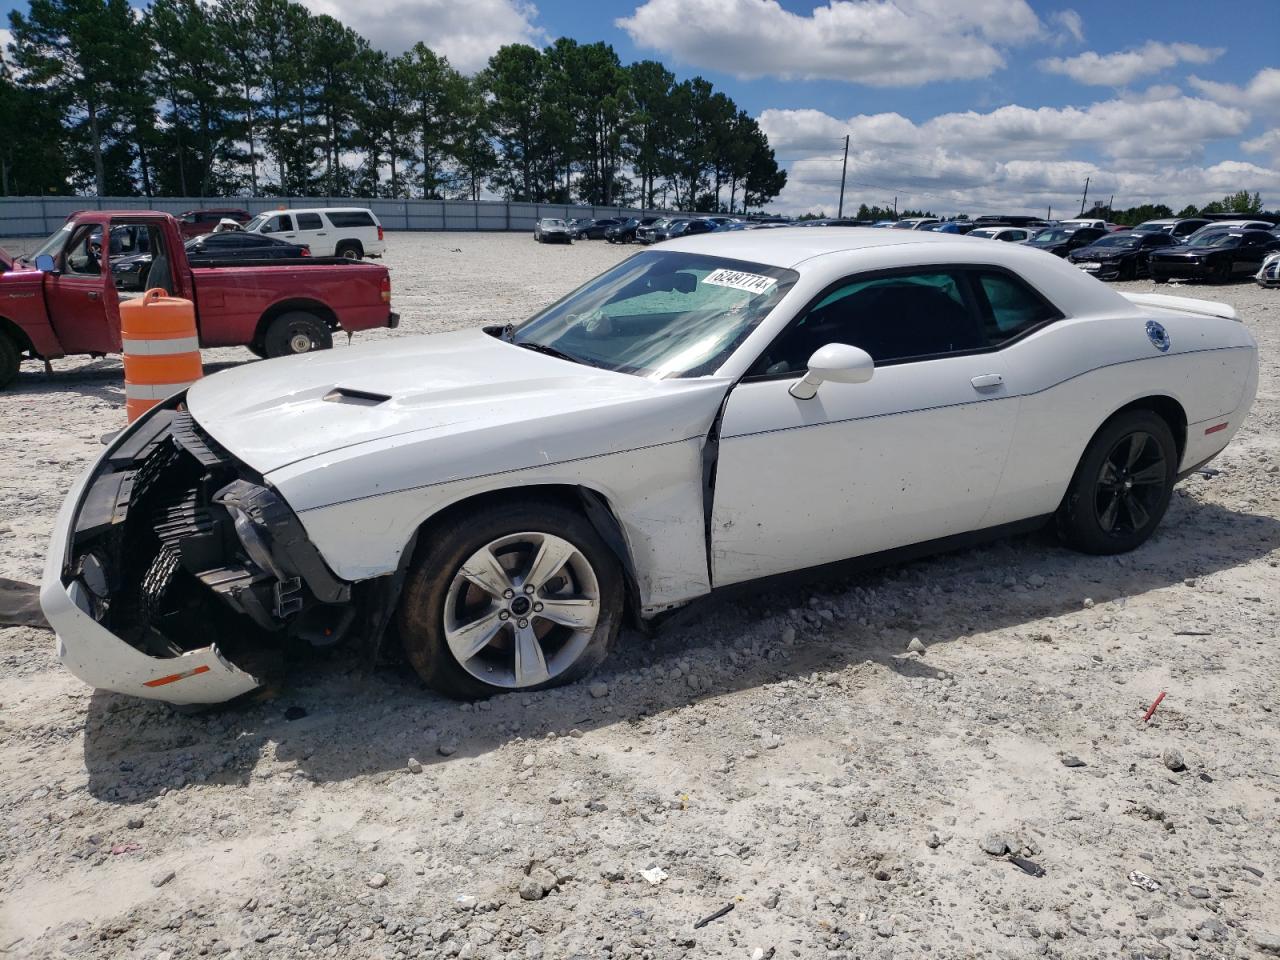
point(784, 752)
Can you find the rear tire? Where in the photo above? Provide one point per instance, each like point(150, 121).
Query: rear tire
point(1222, 273)
point(509, 643)
point(10, 359)
point(294, 333)
point(349, 250)
point(1122, 487)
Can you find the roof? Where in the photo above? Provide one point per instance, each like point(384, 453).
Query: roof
point(788, 246)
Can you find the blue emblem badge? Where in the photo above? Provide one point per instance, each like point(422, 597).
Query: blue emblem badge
point(1158, 336)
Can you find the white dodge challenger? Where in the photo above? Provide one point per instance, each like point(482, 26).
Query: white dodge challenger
point(724, 408)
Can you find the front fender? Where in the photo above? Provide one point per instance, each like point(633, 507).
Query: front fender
point(655, 493)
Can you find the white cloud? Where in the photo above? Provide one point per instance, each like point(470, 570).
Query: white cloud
point(1122, 68)
point(468, 32)
point(1144, 148)
point(1268, 142)
point(1262, 93)
point(873, 42)
point(6, 38)
point(1070, 23)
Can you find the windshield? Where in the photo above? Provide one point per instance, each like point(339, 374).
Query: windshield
point(1221, 240)
point(661, 314)
point(553, 223)
point(1051, 236)
point(53, 246)
point(1154, 226)
point(1123, 241)
point(256, 222)
point(987, 232)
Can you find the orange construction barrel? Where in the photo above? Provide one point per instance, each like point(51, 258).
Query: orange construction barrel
point(161, 349)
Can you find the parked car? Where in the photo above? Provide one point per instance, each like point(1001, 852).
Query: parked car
point(659, 231)
point(1075, 222)
point(552, 230)
point(193, 223)
point(1121, 256)
point(62, 300)
point(1061, 240)
point(1010, 220)
point(1268, 274)
point(916, 223)
point(594, 229)
point(962, 227)
point(1176, 227)
point(130, 272)
point(1007, 234)
point(1220, 257)
point(625, 232)
point(493, 492)
point(350, 232)
point(690, 228)
point(1224, 226)
point(645, 232)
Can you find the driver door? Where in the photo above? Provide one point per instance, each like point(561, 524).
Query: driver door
point(912, 455)
point(81, 295)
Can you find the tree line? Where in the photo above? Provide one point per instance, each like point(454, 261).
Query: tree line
point(262, 97)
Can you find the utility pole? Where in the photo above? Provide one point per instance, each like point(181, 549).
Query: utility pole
point(843, 170)
point(1049, 215)
point(1085, 197)
point(1110, 209)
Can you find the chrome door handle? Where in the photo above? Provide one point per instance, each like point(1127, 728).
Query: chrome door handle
point(92, 294)
point(987, 380)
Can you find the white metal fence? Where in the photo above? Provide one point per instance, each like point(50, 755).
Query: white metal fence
point(38, 216)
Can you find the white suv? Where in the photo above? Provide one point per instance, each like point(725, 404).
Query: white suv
point(350, 232)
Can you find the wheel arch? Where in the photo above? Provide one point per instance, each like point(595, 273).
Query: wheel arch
point(349, 242)
point(1167, 408)
point(302, 304)
point(592, 503)
point(19, 336)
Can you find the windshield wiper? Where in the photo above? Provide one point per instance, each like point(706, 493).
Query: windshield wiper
point(549, 351)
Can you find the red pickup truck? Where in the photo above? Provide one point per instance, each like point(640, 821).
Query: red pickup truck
point(62, 300)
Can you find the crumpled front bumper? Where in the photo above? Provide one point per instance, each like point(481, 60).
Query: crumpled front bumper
point(95, 654)
point(1268, 274)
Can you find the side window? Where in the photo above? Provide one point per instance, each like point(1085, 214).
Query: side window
point(1011, 307)
point(84, 252)
point(894, 318)
point(279, 224)
point(310, 221)
point(352, 218)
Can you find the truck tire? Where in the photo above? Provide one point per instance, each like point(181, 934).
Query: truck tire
point(9, 360)
point(296, 332)
point(349, 249)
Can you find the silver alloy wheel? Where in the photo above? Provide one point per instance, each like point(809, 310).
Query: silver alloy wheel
point(521, 610)
point(301, 343)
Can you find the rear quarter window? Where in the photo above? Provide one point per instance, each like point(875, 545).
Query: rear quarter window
point(351, 218)
point(1013, 308)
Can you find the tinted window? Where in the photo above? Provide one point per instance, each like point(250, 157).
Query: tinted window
point(1011, 307)
point(892, 318)
point(351, 218)
point(310, 221)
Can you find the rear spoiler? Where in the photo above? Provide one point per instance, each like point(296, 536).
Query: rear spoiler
point(1203, 308)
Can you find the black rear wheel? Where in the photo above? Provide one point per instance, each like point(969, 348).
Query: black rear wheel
point(1122, 486)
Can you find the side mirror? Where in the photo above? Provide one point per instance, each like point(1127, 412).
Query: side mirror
point(46, 264)
point(837, 362)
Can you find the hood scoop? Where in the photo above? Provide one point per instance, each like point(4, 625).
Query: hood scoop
point(358, 398)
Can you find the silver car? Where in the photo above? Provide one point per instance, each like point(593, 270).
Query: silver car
point(552, 230)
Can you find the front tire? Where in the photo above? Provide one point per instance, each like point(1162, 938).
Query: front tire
point(520, 596)
point(1122, 486)
point(294, 333)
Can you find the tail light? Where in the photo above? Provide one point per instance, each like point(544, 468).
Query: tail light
point(381, 235)
point(386, 287)
point(306, 251)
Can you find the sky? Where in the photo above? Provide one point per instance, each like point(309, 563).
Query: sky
point(951, 105)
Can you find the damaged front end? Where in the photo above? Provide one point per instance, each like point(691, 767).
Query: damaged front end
point(177, 573)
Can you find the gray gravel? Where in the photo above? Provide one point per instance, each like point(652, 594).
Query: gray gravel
point(786, 751)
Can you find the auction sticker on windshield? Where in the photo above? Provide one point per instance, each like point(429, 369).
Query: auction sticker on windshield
point(751, 282)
